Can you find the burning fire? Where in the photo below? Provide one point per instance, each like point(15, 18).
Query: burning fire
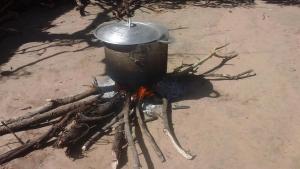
point(143, 92)
point(139, 94)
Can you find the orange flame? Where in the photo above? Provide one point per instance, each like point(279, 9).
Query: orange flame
point(143, 92)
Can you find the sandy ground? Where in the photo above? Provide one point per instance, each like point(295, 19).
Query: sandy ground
point(254, 123)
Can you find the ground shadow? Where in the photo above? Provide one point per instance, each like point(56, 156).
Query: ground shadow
point(33, 25)
point(284, 2)
point(186, 87)
point(178, 4)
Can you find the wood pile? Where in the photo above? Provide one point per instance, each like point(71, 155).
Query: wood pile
point(79, 121)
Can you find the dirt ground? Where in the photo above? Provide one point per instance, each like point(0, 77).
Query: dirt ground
point(253, 123)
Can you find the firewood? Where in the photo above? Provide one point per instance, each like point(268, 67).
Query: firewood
point(117, 145)
point(13, 133)
point(95, 137)
point(78, 106)
point(37, 143)
point(242, 75)
point(168, 132)
point(86, 118)
point(102, 111)
point(54, 103)
point(186, 69)
point(83, 118)
point(83, 123)
point(76, 132)
point(147, 135)
point(129, 138)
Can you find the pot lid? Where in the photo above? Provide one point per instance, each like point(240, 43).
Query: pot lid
point(130, 33)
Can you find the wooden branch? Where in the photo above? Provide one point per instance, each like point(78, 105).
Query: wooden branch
point(54, 103)
point(73, 134)
point(147, 135)
point(150, 119)
point(131, 145)
point(13, 133)
point(117, 119)
point(117, 145)
point(96, 136)
point(55, 113)
point(37, 143)
point(83, 118)
point(168, 132)
point(192, 68)
point(48, 106)
point(102, 110)
point(245, 74)
point(213, 69)
point(70, 99)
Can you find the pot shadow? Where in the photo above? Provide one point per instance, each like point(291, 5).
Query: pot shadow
point(187, 87)
point(197, 87)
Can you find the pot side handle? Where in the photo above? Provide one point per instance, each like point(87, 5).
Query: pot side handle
point(168, 41)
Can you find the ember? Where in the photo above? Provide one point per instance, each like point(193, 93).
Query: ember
point(81, 120)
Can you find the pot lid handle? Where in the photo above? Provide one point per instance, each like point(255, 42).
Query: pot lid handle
point(129, 22)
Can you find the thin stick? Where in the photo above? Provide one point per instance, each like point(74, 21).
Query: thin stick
point(78, 106)
point(245, 74)
point(83, 118)
point(95, 137)
point(118, 119)
point(54, 103)
point(37, 143)
point(192, 68)
point(131, 145)
point(13, 133)
point(71, 135)
point(149, 137)
point(117, 145)
point(167, 131)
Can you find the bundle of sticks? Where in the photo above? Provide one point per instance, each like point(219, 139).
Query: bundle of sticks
point(79, 121)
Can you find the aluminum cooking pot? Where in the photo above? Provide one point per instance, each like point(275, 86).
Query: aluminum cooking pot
point(135, 52)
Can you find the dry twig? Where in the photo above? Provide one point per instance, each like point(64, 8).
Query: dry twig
point(54, 103)
point(55, 113)
point(248, 73)
point(117, 145)
point(147, 134)
point(116, 120)
point(168, 131)
point(131, 145)
point(13, 133)
point(185, 69)
point(37, 143)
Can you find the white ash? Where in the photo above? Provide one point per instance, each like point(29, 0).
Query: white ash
point(149, 109)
